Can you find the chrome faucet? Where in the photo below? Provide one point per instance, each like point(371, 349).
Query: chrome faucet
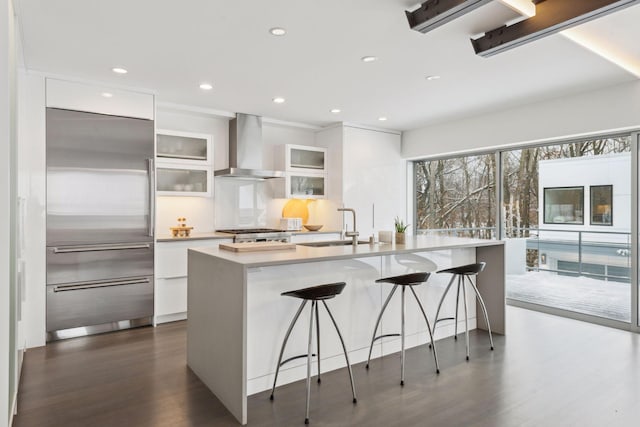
point(353, 234)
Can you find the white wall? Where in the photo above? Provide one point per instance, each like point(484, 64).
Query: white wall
point(4, 212)
point(612, 169)
point(612, 108)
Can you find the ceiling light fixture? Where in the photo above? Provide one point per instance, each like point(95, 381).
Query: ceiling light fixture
point(335, 110)
point(431, 78)
point(433, 13)
point(206, 86)
point(278, 100)
point(382, 119)
point(551, 17)
point(277, 31)
point(369, 58)
point(119, 70)
point(107, 95)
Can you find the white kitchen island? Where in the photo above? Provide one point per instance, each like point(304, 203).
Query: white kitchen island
point(237, 317)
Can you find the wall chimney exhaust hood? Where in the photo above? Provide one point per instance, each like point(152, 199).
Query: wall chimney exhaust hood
point(245, 150)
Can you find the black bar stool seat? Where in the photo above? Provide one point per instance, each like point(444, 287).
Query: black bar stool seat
point(462, 272)
point(404, 281)
point(321, 292)
point(315, 294)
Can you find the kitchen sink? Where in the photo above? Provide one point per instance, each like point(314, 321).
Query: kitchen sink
point(332, 243)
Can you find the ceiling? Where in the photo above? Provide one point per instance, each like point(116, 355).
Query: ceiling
point(172, 47)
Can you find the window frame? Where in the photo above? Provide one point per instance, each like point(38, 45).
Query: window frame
point(591, 187)
point(544, 204)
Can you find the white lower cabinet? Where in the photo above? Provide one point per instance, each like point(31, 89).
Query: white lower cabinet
point(171, 277)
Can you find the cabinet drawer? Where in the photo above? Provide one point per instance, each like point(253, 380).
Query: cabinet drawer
point(171, 296)
point(98, 302)
point(172, 256)
point(67, 264)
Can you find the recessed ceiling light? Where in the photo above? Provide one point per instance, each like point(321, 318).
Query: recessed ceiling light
point(206, 86)
point(107, 95)
point(369, 58)
point(382, 119)
point(433, 78)
point(335, 110)
point(277, 31)
point(278, 100)
point(119, 70)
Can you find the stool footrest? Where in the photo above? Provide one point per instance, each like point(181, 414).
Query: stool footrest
point(297, 357)
point(385, 336)
point(440, 320)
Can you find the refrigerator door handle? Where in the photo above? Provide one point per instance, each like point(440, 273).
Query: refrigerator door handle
point(91, 248)
point(152, 199)
point(99, 284)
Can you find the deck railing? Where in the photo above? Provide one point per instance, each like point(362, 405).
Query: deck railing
point(598, 254)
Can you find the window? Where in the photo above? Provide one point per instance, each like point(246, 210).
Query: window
point(457, 195)
point(563, 205)
point(601, 204)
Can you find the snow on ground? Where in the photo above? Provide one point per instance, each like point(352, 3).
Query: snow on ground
point(579, 294)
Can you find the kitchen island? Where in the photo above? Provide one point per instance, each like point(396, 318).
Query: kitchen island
point(237, 318)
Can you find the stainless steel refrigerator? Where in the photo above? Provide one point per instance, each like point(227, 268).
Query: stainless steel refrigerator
point(100, 221)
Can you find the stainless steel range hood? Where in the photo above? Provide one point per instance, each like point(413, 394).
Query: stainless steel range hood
point(245, 150)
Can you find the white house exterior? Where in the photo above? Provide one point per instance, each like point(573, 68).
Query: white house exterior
point(584, 215)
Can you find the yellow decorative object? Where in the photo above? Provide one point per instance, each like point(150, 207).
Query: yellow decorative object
point(297, 208)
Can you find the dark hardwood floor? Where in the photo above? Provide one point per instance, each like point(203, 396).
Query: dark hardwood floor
point(548, 371)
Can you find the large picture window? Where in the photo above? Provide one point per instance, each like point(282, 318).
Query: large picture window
point(564, 205)
point(601, 204)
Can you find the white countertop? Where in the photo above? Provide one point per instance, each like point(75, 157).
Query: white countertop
point(194, 236)
point(167, 237)
point(303, 254)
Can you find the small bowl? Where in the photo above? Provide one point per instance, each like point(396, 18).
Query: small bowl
point(312, 227)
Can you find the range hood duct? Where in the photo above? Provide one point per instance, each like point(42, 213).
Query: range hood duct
point(245, 150)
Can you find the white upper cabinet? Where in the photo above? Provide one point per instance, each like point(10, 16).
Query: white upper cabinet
point(183, 147)
point(302, 158)
point(305, 172)
point(99, 99)
point(184, 163)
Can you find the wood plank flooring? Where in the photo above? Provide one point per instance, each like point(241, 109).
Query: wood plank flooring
point(548, 371)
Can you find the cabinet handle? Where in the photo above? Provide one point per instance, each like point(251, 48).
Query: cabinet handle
point(100, 284)
point(152, 198)
point(93, 248)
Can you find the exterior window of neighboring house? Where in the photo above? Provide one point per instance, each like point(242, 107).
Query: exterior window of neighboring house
point(563, 205)
point(601, 205)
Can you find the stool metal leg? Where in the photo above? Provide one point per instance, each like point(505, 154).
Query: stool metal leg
point(318, 339)
point(484, 310)
point(455, 324)
point(346, 355)
point(433, 344)
point(402, 304)
point(306, 418)
point(284, 343)
point(466, 316)
point(446, 291)
point(373, 338)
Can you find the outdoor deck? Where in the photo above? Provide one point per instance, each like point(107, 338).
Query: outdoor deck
point(585, 295)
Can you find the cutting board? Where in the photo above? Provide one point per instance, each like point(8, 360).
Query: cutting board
point(256, 246)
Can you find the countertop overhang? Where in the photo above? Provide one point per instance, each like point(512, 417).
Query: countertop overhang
point(303, 254)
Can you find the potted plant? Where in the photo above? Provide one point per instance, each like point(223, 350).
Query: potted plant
point(401, 227)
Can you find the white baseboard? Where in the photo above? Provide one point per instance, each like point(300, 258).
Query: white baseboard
point(174, 317)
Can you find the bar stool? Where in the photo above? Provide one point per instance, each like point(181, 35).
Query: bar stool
point(314, 294)
point(405, 281)
point(460, 273)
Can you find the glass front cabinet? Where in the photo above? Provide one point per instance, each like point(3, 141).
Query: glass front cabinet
point(184, 164)
point(305, 169)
